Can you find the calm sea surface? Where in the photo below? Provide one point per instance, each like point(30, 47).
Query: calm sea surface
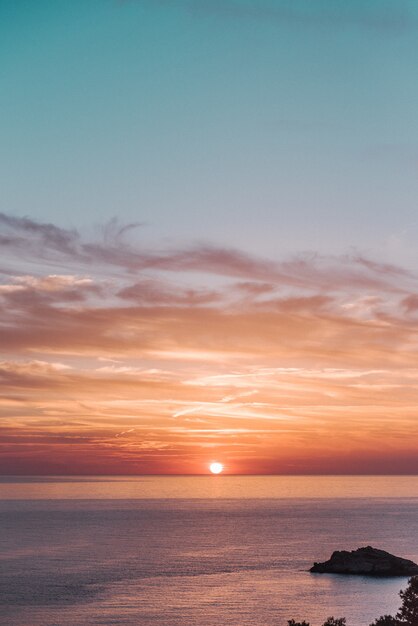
point(200, 551)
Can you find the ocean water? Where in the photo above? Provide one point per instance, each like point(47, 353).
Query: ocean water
point(199, 551)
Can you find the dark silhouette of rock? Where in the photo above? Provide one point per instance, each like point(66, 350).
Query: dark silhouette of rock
point(366, 561)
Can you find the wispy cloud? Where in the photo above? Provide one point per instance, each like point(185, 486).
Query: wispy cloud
point(128, 359)
point(111, 251)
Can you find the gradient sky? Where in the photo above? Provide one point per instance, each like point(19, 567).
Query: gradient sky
point(208, 230)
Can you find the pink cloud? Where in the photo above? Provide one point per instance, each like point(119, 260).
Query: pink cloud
point(278, 364)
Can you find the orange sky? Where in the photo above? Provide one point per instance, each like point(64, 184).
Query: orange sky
point(117, 360)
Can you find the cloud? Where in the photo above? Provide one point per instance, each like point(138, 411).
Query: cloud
point(296, 308)
point(154, 292)
point(129, 359)
point(111, 253)
point(30, 231)
point(53, 282)
point(410, 303)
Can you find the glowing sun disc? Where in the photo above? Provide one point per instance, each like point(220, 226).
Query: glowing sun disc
point(216, 468)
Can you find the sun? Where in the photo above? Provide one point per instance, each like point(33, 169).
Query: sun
point(216, 468)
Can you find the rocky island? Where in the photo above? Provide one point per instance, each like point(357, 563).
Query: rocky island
point(366, 561)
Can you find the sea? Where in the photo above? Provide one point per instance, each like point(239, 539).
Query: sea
point(199, 550)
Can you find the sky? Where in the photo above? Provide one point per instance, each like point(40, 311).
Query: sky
point(208, 235)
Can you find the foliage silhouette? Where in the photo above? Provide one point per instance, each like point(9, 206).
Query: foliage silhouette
point(386, 620)
point(406, 616)
point(408, 613)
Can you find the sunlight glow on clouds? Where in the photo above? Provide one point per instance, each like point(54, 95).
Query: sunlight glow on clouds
point(118, 359)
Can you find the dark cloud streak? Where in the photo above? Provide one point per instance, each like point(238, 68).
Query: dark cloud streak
point(111, 252)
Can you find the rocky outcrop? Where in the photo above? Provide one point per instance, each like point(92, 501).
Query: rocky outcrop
point(366, 561)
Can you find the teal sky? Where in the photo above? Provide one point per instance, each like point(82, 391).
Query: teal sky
point(265, 313)
point(275, 127)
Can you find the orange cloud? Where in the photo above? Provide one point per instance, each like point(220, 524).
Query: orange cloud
point(121, 361)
